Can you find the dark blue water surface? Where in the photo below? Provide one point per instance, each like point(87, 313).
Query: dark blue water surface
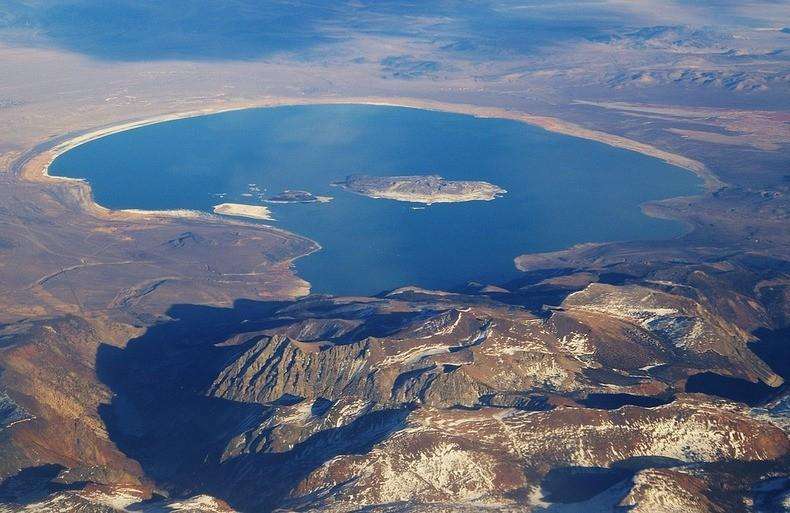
point(561, 190)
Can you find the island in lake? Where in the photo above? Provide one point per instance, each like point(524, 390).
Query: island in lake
point(289, 196)
point(241, 210)
point(420, 188)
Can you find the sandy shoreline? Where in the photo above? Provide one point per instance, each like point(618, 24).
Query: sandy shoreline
point(548, 123)
point(34, 166)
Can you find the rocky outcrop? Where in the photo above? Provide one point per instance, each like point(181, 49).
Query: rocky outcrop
point(279, 366)
point(481, 456)
point(117, 499)
point(676, 322)
point(603, 339)
point(414, 401)
point(668, 491)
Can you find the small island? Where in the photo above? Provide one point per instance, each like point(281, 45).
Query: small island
point(241, 210)
point(289, 196)
point(426, 189)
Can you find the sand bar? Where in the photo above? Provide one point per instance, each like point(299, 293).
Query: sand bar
point(241, 210)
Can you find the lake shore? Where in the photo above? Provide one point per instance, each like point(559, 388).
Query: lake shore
point(33, 166)
point(36, 166)
point(303, 170)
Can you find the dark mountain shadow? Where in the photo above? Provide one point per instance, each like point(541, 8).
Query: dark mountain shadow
point(382, 325)
point(734, 389)
point(161, 417)
point(573, 489)
point(637, 463)
point(577, 484)
point(772, 346)
point(33, 484)
point(614, 401)
point(769, 495)
point(526, 292)
point(529, 293)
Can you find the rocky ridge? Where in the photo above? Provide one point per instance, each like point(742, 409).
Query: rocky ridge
point(601, 380)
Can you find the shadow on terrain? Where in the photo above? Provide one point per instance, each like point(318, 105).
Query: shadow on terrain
point(33, 484)
point(161, 417)
point(576, 489)
point(771, 347)
point(734, 389)
point(577, 484)
point(581, 489)
point(614, 401)
point(527, 291)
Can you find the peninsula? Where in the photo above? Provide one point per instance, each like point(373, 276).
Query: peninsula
point(426, 189)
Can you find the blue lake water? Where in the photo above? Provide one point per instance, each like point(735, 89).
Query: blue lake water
point(561, 190)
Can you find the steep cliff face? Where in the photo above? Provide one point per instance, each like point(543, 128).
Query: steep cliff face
point(279, 366)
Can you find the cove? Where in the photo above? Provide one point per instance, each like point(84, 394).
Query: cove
point(561, 190)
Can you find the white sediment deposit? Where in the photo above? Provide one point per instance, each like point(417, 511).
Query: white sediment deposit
point(241, 210)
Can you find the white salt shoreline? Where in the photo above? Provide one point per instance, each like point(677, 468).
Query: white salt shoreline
point(36, 167)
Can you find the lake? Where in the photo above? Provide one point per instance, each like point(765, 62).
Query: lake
point(561, 190)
